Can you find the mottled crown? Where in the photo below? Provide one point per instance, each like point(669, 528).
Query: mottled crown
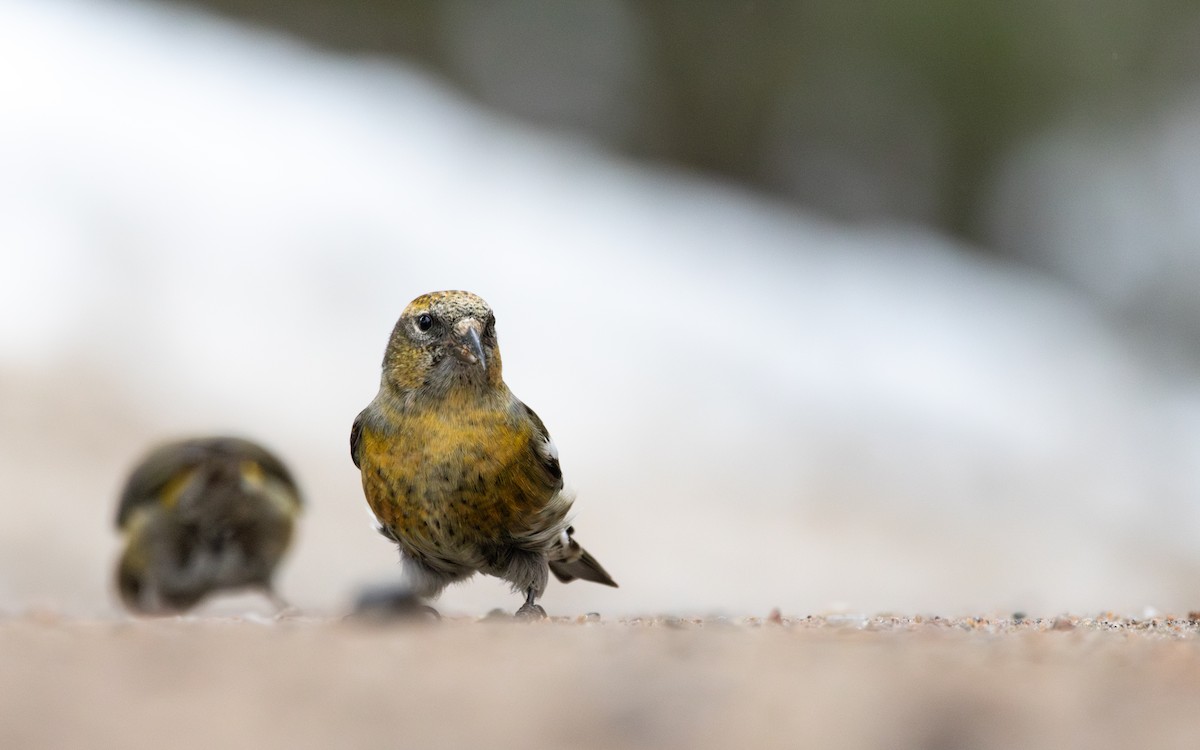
point(449, 306)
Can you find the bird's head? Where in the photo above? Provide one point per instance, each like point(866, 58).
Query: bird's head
point(444, 342)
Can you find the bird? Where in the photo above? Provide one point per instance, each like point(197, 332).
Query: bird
point(458, 471)
point(202, 515)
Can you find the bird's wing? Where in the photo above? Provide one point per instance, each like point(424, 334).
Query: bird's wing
point(544, 448)
point(568, 560)
point(551, 518)
point(244, 450)
point(155, 471)
point(356, 439)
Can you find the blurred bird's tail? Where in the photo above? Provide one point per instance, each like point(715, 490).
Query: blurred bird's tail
point(569, 561)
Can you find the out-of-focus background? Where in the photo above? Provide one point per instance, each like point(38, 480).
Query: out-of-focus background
point(891, 306)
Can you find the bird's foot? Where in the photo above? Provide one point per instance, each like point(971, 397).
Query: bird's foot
point(531, 611)
point(392, 603)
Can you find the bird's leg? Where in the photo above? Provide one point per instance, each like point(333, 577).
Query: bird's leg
point(529, 610)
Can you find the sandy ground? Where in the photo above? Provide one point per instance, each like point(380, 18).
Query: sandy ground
point(838, 681)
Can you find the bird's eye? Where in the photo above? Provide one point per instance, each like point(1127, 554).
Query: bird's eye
point(424, 321)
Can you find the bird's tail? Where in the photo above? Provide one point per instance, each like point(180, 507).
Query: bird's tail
point(569, 561)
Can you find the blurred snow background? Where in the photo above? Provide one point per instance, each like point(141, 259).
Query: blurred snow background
point(212, 227)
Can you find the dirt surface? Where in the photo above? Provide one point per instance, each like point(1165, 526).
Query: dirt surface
point(837, 681)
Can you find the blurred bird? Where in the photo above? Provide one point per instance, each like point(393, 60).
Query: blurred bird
point(200, 516)
point(460, 473)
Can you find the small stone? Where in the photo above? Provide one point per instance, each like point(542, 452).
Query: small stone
point(776, 617)
point(1062, 623)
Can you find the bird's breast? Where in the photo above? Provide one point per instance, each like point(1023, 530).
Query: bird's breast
point(441, 480)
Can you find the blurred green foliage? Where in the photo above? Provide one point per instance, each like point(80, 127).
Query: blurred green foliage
point(871, 110)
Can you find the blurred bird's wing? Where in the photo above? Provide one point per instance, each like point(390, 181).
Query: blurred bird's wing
point(244, 450)
point(356, 439)
point(146, 483)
